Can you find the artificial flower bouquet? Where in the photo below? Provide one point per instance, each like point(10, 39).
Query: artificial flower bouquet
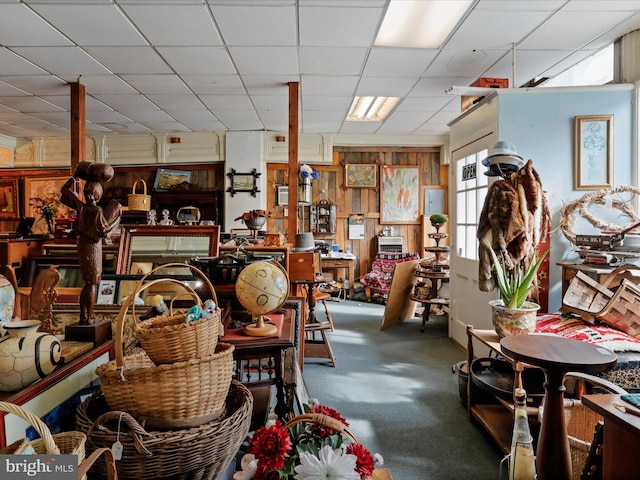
point(316, 445)
point(307, 172)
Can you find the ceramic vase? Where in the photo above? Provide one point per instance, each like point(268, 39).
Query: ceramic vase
point(26, 354)
point(513, 321)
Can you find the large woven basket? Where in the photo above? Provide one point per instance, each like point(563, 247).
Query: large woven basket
point(194, 390)
point(139, 201)
point(202, 452)
point(67, 443)
point(170, 339)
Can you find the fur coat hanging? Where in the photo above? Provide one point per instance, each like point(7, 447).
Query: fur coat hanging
point(515, 217)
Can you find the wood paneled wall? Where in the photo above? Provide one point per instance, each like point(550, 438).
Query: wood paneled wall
point(330, 185)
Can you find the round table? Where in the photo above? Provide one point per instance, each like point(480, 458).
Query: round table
point(556, 356)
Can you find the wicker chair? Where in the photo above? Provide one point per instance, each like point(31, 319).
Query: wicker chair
point(581, 421)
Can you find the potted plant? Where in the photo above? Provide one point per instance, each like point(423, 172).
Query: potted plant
point(512, 313)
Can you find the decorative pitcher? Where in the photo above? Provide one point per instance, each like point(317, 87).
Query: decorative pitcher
point(26, 354)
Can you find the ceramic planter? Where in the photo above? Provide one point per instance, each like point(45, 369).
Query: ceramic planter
point(513, 321)
point(26, 354)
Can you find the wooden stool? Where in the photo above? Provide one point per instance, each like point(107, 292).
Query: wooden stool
point(322, 297)
point(312, 346)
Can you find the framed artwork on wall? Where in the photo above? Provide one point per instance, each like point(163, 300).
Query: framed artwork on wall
point(361, 175)
point(45, 191)
point(593, 152)
point(243, 182)
point(399, 195)
point(9, 206)
point(167, 178)
point(106, 292)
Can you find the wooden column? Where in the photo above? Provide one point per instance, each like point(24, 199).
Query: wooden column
point(78, 125)
point(292, 224)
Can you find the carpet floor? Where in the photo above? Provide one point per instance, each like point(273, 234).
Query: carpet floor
point(397, 390)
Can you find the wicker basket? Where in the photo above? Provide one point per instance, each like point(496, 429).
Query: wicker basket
point(139, 201)
point(170, 339)
point(591, 300)
point(67, 443)
point(192, 391)
point(202, 452)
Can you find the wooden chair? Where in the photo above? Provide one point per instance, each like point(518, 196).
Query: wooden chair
point(314, 347)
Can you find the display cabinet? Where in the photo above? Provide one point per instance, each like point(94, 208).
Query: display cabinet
point(323, 218)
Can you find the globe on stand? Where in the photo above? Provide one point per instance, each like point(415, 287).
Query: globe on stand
point(262, 288)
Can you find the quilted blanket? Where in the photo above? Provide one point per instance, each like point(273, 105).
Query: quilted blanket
point(578, 329)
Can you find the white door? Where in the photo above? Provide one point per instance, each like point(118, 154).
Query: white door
point(469, 185)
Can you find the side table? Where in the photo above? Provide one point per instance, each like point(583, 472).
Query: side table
point(556, 356)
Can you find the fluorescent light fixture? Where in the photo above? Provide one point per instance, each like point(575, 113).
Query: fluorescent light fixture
point(420, 23)
point(470, 91)
point(371, 109)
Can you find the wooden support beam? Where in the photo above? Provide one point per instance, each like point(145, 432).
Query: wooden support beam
point(78, 125)
point(292, 223)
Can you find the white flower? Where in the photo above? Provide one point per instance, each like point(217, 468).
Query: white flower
point(249, 464)
point(377, 459)
point(329, 465)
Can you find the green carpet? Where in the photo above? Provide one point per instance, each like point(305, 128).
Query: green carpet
point(397, 390)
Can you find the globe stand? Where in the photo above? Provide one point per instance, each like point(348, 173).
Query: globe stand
point(260, 329)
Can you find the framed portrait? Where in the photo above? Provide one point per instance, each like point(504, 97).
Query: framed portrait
point(106, 292)
point(361, 175)
point(282, 195)
point(167, 178)
point(243, 182)
point(47, 190)
point(399, 195)
point(593, 152)
point(9, 206)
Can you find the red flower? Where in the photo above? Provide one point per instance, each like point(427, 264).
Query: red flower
point(329, 412)
point(365, 462)
point(270, 446)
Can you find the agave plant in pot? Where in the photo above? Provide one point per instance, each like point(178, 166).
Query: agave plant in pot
point(513, 314)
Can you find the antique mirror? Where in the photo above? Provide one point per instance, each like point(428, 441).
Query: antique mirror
point(147, 246)
point(9, 207)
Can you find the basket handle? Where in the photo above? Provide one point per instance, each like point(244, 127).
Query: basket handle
point(136, 429)
point(36, 423)
point(144, 186)
point(191, 267)
point(112, 473)
point(130, 301)
point(617, 271)
point(322, 420)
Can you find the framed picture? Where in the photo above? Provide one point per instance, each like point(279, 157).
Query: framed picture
point(361, 175)
point(399, 195)
point(126, 288)
point(243, 182)
point(140, 268)
point(282, 195)
point(45, 190)
point(593, 152)
point(167, 178)
point(106, 292)
point(9, 206)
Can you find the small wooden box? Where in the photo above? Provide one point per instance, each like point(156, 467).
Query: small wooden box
point(273, 239)
point(304, 265)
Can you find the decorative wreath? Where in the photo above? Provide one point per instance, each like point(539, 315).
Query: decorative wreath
point(601, 197)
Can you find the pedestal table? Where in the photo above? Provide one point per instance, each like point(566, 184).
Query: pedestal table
point(556, 356)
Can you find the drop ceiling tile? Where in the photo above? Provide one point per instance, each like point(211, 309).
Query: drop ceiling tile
point(173, 102)
point(265, 60)
point(214, 84)
point(385, 86)
point(124, 102)
point(38, 84)
point(325, 85)
point(360, 127)
point(62, 60)
point(103, 84)
point(227, 102)
point(198, 60)
point(398, 62)
point(165, 126)
point(14, 63)
point(91, 24)
point(29, 104)
point(237, 120)
point(160, 84)
point(327, 102)
point(122, 60)
point(269, 84)
point(175, 25)
point(423, 104)
point(105, 116)
point(454, 63)
point(21, 26)
point(147, 116)
point(339, 26)
point(332, 60)
point(61, 119)
point(261, 25)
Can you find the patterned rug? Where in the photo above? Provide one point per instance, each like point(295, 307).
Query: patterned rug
point(578, 329)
